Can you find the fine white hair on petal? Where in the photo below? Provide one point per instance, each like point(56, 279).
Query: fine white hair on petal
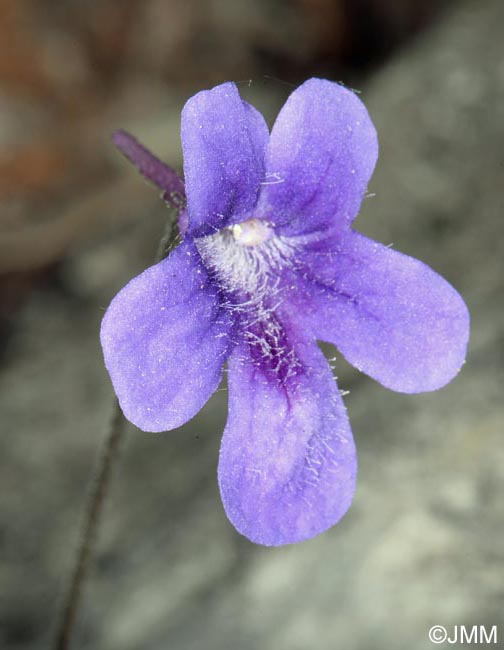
point(250, 262)
point(244, 268)
point(247, 262)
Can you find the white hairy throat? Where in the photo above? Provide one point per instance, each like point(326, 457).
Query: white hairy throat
point(247, 258)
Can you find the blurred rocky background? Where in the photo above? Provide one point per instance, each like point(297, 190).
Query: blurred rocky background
point(422, 544)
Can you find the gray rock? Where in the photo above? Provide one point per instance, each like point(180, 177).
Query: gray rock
point(422, 542)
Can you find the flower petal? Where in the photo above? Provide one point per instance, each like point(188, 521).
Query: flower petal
point(223, 141)
point(165, 339)
point(390, 315)
point(321, 154)
point(287, 464)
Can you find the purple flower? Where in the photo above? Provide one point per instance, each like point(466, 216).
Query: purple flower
point(268, 264)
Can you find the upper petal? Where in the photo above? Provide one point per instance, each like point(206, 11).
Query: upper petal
point(223, 140)
point(321, 154)
point(287, 463)
point(165, 339)
point(390, 315)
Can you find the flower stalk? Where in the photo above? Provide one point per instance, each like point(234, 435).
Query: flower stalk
point(172, 185)
point(108, 457)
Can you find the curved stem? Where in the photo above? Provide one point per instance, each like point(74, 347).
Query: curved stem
point(168, 180)
point(111, 447)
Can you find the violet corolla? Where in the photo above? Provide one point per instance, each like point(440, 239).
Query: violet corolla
point(268, 264)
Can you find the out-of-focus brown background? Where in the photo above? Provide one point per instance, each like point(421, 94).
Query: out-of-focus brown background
point(422, 544)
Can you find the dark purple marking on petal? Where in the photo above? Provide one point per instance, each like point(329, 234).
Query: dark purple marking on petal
point(287, 464)
point(153, 169)
point(270, 349)
point(390, 315)
point(223, 140)
point(165, 337)
point(320, 157)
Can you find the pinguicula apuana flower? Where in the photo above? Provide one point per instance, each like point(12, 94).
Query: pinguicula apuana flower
point(268, 265)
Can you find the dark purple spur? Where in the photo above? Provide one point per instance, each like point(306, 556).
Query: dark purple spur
point(268, 264)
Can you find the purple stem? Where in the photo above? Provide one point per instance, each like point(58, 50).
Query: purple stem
point(153, 169)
